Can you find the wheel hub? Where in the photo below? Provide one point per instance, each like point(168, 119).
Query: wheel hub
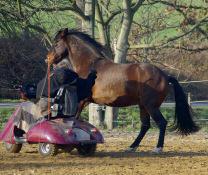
point(45, 148)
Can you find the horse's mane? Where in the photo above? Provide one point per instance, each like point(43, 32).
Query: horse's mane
point(84, 36)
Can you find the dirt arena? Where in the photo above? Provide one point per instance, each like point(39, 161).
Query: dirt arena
point(182, 155)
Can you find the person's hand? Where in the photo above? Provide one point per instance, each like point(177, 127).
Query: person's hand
point(23, 96)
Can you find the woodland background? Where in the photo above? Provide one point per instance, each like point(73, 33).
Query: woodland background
point(172, 34)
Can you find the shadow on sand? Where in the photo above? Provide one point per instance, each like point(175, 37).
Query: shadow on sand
point(37, 162)
point(121, 154)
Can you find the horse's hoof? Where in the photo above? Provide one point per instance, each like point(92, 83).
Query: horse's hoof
point(157, 150)
point(130, 150)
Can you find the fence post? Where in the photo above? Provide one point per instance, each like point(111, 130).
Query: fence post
point(189, 98)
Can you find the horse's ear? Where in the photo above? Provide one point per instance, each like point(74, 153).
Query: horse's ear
point(64, 32)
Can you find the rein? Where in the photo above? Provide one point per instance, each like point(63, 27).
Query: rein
point(49, 90)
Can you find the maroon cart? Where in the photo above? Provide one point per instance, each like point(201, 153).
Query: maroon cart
point(53, 134)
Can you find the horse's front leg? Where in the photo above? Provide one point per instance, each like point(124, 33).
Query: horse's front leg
point(81, 106)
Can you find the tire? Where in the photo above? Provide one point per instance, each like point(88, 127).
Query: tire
point(13, 148)
point(87, 150)
point(47, 149)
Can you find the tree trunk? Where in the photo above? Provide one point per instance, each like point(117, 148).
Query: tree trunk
point(111, 115)
point(120, 48)
point(102, 31)
point(122, 43)
point(100, 25)
point(95, 114)
point(90, 12)
point(81, 5)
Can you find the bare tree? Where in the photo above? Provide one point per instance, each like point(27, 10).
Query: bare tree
point(136, 24)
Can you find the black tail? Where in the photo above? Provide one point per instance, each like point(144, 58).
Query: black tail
point(183, 116)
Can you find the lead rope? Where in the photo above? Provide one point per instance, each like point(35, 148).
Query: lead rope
point(49, 90)
point(48, 79)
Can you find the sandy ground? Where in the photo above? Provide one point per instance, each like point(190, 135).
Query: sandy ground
point(182, 155)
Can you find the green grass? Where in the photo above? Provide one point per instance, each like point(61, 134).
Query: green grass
point(128, 118)
point(201, 112)
point(9, 100)
point(5, 113)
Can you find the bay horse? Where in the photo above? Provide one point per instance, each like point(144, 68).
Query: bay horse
point(120, 85)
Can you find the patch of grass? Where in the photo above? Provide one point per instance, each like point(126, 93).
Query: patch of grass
point(200, 112)
point(130, 118)
point(2, 100)
point(5, 113)
point(85, 114)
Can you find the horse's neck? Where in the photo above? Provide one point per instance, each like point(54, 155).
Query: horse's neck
point(86, 57)
point(99, 64)
point(85, 62)
point(84, 69)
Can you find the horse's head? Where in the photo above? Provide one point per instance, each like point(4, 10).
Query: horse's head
point(59, 49)
point(81, 50)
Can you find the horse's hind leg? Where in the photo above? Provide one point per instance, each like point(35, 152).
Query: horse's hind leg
point(161, 123)
point(145, 125)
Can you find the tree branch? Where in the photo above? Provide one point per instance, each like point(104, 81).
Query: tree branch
point(113, 15)
point(179, 6)
point(191, 30)
point(199, 49)
point(202, 32)
point(74, 9)
point(136, 6)
point(154, 47)
point(41, 30)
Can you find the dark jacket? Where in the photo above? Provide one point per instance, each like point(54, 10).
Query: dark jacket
point(58, 78)
point(64, 76)
point(84, 86)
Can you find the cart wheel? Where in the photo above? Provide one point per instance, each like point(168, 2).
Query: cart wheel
point(87, 150)
point(13, 148)
point(47, 149)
